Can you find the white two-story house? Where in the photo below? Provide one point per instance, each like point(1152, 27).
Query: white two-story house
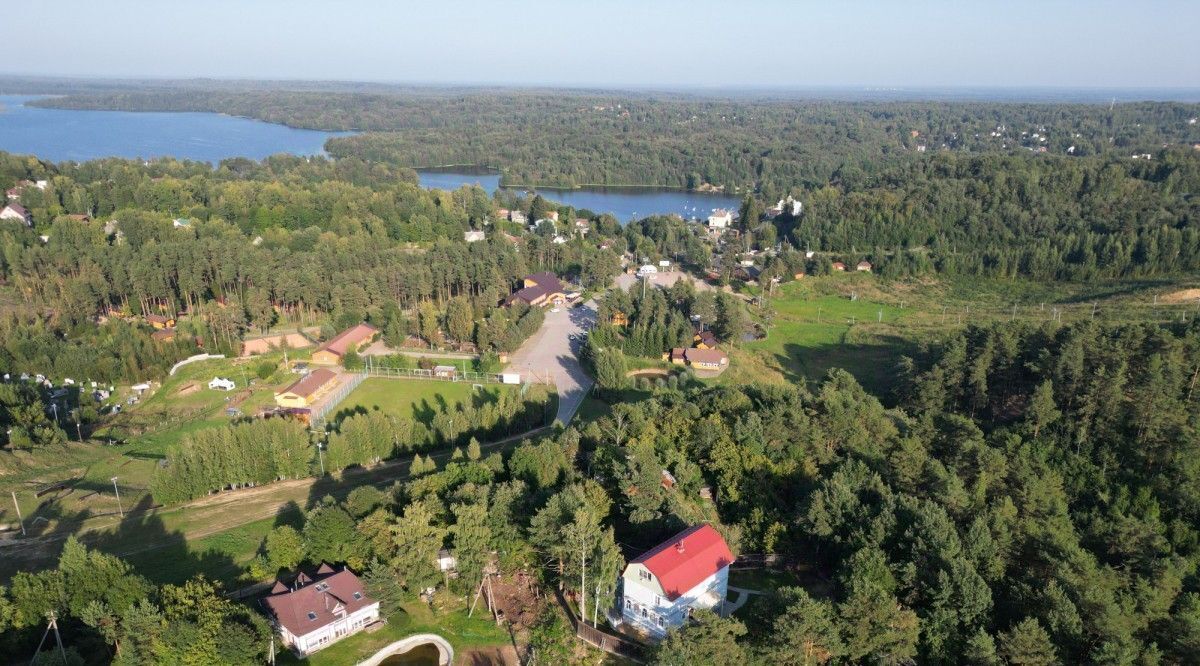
point(662, 587)
point(313, 613)
point(720, 220)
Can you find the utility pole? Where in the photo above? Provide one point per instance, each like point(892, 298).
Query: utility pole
point(879, 318)
point(54, 406)
point(583, 586)
point(20, 518)
point(118, 494)
point(596, 608)
point(321, 457)
point(1093, 309)
point(53, 624)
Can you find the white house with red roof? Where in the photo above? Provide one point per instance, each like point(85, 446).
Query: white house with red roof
point(315, 612)
point(662, 587)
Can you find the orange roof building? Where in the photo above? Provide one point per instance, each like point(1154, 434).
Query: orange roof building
point(332, 352)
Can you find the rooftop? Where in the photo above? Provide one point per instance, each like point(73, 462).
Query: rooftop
point(310, 383)
point(683, 561)
point(310, 602)
point(351, 337)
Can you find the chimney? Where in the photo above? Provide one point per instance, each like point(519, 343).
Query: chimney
point(679, 546)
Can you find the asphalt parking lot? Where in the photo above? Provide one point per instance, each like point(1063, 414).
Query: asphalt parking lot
point(553, 353)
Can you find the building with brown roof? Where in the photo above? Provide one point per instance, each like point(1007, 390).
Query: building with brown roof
point(706, 359)
point(705, 340)
point(160, 321)
point(315, 612)
point(540, 289)
point(303, 392)
point(17, 212)
point(332, 352)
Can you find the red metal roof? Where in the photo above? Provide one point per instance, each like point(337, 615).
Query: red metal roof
point(683, 561)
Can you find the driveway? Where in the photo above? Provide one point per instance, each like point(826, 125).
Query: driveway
point(551, 354)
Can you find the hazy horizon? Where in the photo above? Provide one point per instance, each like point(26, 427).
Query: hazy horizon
point(667, 45)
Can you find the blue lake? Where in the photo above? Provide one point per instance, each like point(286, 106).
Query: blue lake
point(624, 203)
point(62, 134)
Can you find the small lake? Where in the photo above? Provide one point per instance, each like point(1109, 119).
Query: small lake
point(64, 134)
point(624, 203)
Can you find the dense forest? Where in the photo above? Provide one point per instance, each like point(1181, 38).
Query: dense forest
point(1033, 500)
point(770, 145)
point(289, 241)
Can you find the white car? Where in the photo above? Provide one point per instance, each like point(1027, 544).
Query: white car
point(555, 309)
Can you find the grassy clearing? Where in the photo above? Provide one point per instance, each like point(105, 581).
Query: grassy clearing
point(864, 324)
point(419, 399)
point(141, 433)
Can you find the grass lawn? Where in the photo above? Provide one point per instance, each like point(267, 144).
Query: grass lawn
point(419, 399)
point(142, 432)
point(450, 623)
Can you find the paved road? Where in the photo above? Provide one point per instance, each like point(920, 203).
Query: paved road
point(550, 353)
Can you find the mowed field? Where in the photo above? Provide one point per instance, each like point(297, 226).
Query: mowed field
point(129, 445)
point(865, 324)
point(419, 399)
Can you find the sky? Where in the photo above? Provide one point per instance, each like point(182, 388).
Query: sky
point(633, 43)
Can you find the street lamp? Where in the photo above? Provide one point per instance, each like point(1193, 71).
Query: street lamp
point(118, 494)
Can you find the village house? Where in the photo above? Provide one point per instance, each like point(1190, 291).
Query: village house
point(839, 266)
point(863, 266)
point(16, 212)
point(333, 351)
point(582, 226)
point(699, 358)
point(704, 340)
point(539, 289)
point(662, 587)
point(163, 335)
point(302, 393)
point(160, 322)
point(518, 217)
point(78, 217)
point(315, 612)
point(720, 219)
point(706, 359)
point(473, 236)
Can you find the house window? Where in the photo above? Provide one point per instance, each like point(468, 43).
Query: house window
point(628, 604)
point(644, 575)
point(644, 612)
point(660, 620)
point(657, 600)
point(312, 615)
point(358, 595)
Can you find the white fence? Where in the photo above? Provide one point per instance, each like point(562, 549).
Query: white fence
point(318, 416)
point(193, 359)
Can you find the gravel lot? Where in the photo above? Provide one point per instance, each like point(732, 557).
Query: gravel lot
point(664, 280)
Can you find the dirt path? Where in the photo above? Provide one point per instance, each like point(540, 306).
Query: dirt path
point(223, 511)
